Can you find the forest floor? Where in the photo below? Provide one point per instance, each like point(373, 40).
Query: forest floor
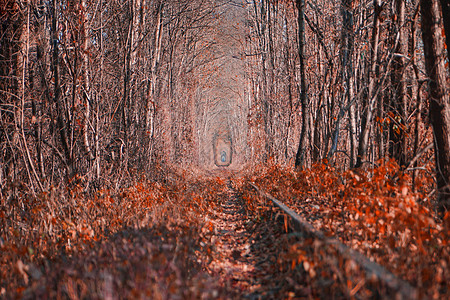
point(232, 261)
point(185, 236)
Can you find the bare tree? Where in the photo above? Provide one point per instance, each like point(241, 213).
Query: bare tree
point(439, 97)
point(348, 97)
point(445, 5)
point(301, 152)
point(397, 147)
point(366, 120)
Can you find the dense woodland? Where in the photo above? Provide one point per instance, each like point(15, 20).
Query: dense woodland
point(106, 105)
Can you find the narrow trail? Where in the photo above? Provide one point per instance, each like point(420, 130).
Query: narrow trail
point(234, 261)
point(247, 250)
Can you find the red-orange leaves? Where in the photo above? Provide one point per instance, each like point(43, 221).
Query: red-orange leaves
point(376, 212)
point(63, 231)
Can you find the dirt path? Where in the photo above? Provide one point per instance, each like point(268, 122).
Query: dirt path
point(249, 258)
point(234, 262)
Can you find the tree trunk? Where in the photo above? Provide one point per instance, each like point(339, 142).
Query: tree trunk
point(366, 120)
point(87, 83)
point(61, 128)
point(352, 135)
point(301, 152)
point(445, 4)
point(346, 55)
point(347, 67)
point(126, 85)
point(150, 113)
point(11, 31)
point(289, 71)
point(439, 97)
point(397, 147)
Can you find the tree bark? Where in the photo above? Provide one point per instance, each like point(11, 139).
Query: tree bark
point(61, 128)
point(346, 55)
point(301, 152)
point(439, 108)
point(289, 72)
point(87, 83)
point(397, 147)
point(366, 120)
point(151, 105)
point(10, 32)
point(445, 4)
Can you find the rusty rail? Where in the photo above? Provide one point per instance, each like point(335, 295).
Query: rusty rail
point(399, 286)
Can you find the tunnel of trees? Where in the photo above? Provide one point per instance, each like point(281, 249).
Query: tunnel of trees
point(95, 90)
point(143, 144)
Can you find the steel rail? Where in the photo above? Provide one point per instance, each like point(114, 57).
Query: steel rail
point(399, 286)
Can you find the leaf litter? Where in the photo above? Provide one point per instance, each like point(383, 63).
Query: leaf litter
point(212, 237)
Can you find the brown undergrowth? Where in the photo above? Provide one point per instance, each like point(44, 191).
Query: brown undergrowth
point(155, 238)
point(147, 240)
point(375, 213)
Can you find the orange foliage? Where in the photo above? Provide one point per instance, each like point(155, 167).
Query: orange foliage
point(38, 235)
point(374, 212)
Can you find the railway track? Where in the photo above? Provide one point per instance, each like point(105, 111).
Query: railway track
point(375, 273)
point(232, 263)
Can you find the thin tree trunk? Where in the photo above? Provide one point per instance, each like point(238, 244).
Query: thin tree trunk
point(301, 152)
point(61, 128)
point(261, 18)
point(87, 83)
point(347, 65)
point(25, 42)
point(36, 114)
point(126, 87)
point(352, 135)
point(397, 147)
point(99, 101)
point(347, 40)
point(415, 90)
point(445, 4)
point(153, 73)
point(290, 87)
point(366, 120)
point(416, 136)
